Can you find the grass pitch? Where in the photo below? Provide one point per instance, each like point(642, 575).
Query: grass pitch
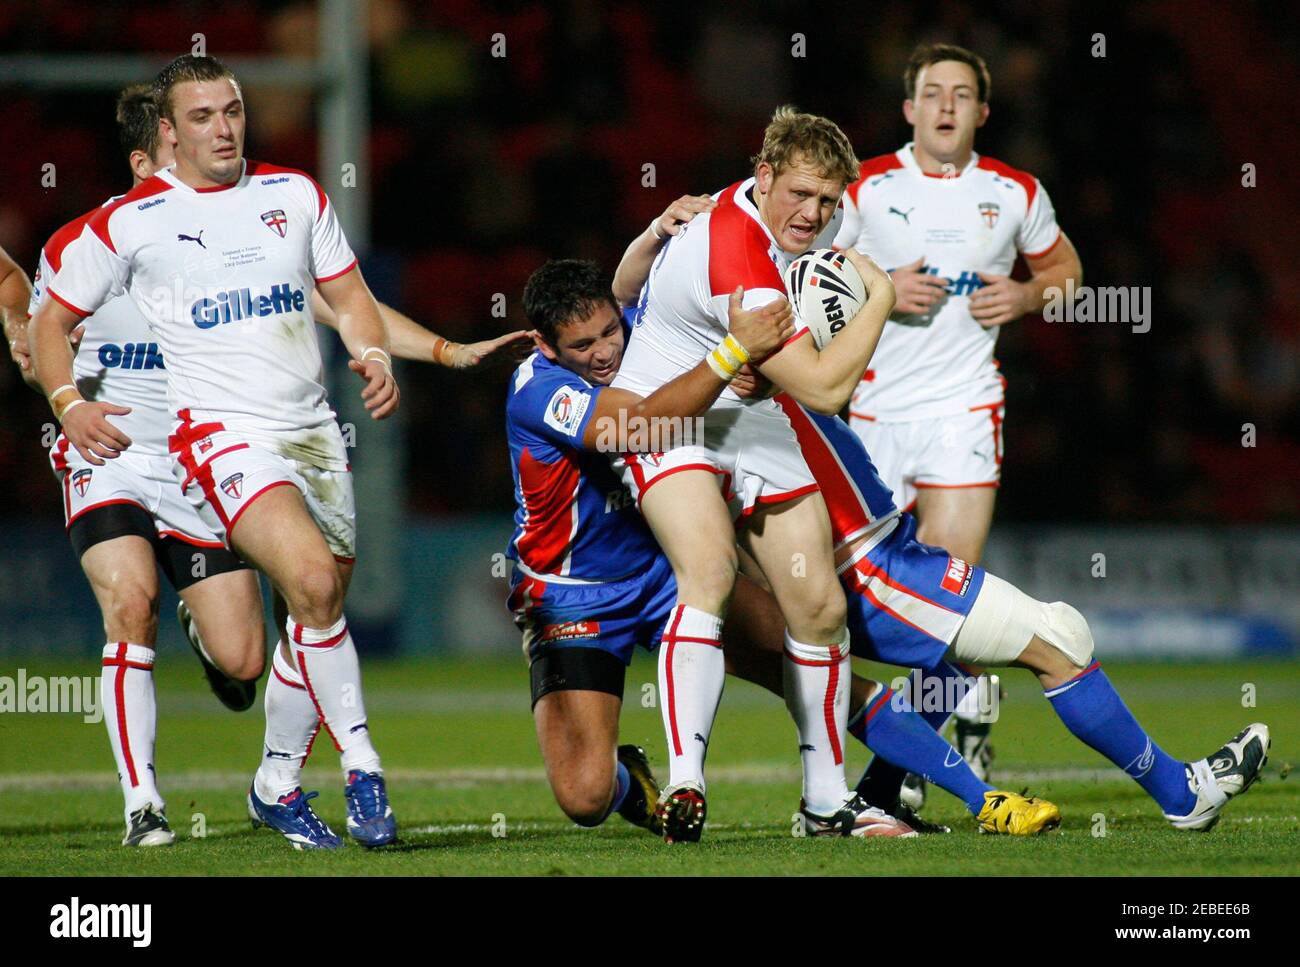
point(470, 795)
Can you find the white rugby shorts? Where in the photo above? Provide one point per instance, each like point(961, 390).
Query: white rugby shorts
point(751, 449)
point(222, 474)
point(130, 478)
point(957, 451)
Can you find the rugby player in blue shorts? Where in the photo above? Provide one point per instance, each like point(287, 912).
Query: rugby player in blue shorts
point(590, 583)
point(915, 605)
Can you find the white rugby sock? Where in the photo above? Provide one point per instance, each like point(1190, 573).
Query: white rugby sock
point(692, 670)
point(817, 680)
point(968, 709)
point(127, 698)
point(327, 661)
point(291, 728)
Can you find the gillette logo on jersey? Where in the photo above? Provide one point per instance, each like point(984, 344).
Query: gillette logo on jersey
point(237, 304)
point(134, 355)
point(964, 284)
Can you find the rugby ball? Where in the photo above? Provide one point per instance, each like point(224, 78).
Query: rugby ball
point(825, 292)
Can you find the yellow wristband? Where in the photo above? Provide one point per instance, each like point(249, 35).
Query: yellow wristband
point(737, 350)
point(720, 364)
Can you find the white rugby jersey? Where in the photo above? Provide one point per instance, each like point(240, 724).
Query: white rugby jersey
point(683, 309)
point(974, 221)
point(119, 360)
point(224, 277)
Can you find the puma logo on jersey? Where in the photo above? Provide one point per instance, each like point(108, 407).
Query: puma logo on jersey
point(901, 214)
point(180, 237)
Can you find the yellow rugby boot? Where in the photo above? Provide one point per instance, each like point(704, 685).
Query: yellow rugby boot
point(639, 804)
point(1010, 814)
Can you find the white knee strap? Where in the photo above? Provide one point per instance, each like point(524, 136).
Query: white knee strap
point(1004, 619)
point(1067, 630)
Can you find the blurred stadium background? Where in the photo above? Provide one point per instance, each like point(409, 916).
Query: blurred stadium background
point(477, 168)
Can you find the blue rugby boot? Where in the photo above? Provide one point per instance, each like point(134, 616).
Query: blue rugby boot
point(292, 816)
point(370, 817)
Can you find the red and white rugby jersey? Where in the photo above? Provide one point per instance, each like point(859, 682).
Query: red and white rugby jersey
point(683, 309)
point(975, 220)
point(224, 277)
point(119, 360)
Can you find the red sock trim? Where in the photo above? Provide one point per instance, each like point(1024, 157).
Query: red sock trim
point(828, 710)
point(119, 694)
point(671, 639)
point(320, 713)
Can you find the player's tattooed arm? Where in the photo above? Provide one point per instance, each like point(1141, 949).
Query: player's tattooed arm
point(621, 418)
point(1003, 299)
point(634, 268)
point(84, 421)
point(15, 294)
point(824, 381)
point(362, 330)
point(410, 340)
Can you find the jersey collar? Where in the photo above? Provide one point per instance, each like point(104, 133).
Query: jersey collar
point(168, 175)
point(907, 156)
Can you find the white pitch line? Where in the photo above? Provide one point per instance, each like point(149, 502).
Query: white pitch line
point(478, 776)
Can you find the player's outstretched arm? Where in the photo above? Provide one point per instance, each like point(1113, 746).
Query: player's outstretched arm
point(634, 268)
point(1003, 299)
point(824, 381)
point(15, 294)
point(410, 340)
point(621, 417)
point(362, 330)
point(84, 422)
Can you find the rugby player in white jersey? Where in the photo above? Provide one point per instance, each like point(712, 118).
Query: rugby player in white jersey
point(915, 605)
point(747, 473)
point(124, 515)
point(949, 224)
point(220, 254)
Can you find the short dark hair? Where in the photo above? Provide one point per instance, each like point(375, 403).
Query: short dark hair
point(563, 290)
point(187, 67)
point(926, 54)
point(137, 120)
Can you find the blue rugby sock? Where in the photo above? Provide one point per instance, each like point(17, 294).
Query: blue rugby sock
point(622, 783)
point(882, 780)
point(889, 727)
point(1091, 709)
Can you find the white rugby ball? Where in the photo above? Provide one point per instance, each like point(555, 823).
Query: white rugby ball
point(825, 292)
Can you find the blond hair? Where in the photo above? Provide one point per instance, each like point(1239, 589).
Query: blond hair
point(792, 136)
